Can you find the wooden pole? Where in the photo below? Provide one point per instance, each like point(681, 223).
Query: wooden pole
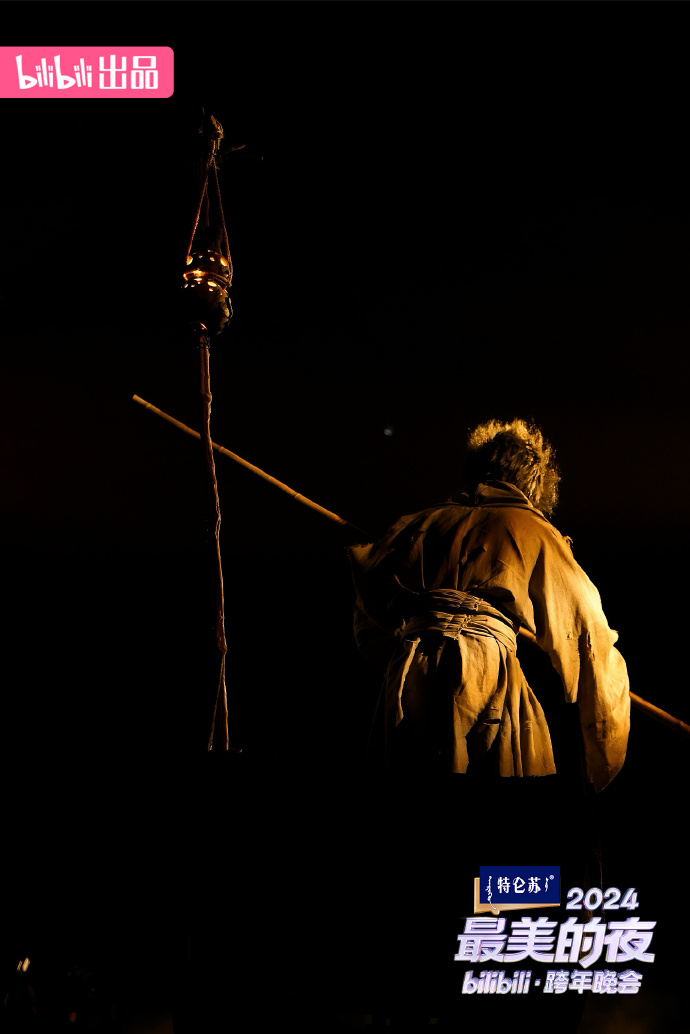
point(639, 702)
point(250, 466)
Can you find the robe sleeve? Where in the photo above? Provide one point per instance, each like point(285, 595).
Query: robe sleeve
point(377, 624)
point(379, 617)
point(572, 628)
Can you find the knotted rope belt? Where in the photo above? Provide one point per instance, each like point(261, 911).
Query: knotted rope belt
point(451, 613)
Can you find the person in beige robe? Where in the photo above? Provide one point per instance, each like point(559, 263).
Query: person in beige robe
point(444, 598)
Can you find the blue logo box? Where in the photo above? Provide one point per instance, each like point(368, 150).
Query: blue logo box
point(524, 886)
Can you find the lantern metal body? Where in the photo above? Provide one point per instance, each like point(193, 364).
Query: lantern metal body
point(205, 290)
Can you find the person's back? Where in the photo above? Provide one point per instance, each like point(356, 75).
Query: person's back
point(452, 660)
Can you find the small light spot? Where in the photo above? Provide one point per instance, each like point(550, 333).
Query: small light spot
point(388, 431)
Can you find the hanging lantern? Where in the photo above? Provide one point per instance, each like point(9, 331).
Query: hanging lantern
point(205, 289)
point(208, 275)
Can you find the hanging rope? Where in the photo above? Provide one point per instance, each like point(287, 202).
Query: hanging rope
point(222, 220)
point(219, 725)
point(213, 132)
point(204, 190)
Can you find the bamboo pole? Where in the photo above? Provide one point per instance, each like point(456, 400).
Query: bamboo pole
point(637, 701)
point(250, 466)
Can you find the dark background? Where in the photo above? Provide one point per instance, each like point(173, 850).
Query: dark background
point(442, 214)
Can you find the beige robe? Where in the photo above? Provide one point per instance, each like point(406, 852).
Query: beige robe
point(498, 547)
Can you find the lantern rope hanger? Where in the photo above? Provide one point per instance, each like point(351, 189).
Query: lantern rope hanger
point(206, 286)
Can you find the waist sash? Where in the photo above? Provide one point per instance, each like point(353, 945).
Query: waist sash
point(451, 613)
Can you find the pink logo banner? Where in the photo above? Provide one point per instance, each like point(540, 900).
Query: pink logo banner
point(86, 72)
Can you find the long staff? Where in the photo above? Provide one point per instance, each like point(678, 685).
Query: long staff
point(297, 496)
point(637, 701)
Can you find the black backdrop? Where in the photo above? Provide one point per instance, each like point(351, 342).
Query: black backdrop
point(441, 214)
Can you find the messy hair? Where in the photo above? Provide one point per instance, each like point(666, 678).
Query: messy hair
point(518, 453)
